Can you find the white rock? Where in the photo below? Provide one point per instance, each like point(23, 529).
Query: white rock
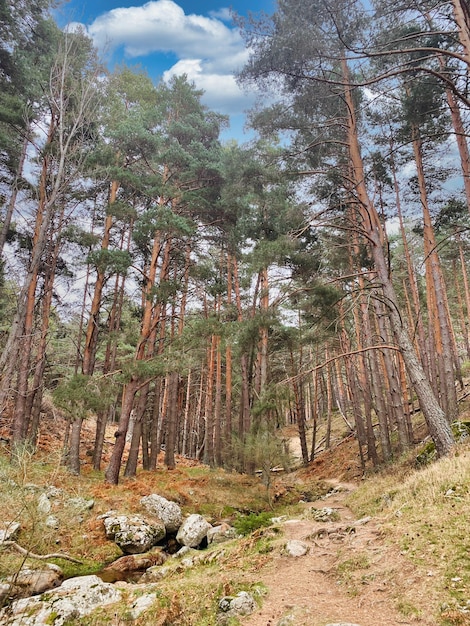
point(169, 512)
point(8, 531)
point(243, 603)
point(52, 522)
point(296, 548)
point(75, 598)
point(44, 504)
point(142, 604)
point(193, 530)
point(81, 504)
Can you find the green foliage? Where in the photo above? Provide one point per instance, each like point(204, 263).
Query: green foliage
point(78, 395)
point(112, 261)
point(246, 524)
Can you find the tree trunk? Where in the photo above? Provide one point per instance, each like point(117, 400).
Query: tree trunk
point(172, 420)
point(114, 465)
point(438, 425)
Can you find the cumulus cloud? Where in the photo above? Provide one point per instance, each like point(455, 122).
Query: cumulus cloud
point(221, 91)
point(207, 49)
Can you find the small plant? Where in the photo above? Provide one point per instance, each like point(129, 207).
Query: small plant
point(246, 524)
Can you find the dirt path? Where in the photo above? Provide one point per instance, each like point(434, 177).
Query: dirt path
point(349, 576)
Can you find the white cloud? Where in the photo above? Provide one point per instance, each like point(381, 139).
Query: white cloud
point(162, 26)
point(209, 52)
point(221, 92)
point(223, 14)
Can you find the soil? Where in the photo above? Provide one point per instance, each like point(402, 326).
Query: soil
point(349, 576)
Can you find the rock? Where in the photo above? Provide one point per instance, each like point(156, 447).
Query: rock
point(193, 530)
point(132, 563)
point(44, 504)
point(30, 582)
point(154, 574)
point(296, 548)
point(169, 512)
point(9, 531)
point(5, 590)
point(132, 533)
point(74, 599)
point(326, 514)
point(219, 534)
point(52, 522)
point(142, 604)
point(182, 552)
point(242, 604)
point(53, 492)
point(81, 504)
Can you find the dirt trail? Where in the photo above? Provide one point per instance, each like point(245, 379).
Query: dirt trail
point(350, 575)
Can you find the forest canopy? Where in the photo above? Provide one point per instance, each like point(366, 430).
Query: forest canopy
point(202, 295)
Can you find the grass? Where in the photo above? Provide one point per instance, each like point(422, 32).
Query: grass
point(425, 512)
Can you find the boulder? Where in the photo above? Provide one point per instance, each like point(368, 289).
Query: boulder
point(169, 512)
point(221, 533)
point(132, 533)
point(133, 563)
point(30, 582)
point(193, 530)
point(241, 604)
point(74, 599)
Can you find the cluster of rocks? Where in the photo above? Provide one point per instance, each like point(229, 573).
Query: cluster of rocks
point(136, 534)
point(144, 540)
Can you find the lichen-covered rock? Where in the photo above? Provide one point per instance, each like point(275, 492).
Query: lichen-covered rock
point(193, 530)
point(242, 604)
point(81, 504)
point(132, 533)
point(74, 599)
point(142, 604)
point(169, 512)
point(221, 533)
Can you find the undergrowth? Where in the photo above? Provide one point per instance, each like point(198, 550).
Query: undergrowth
point(425, 512)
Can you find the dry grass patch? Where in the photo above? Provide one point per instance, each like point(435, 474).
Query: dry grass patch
point(426, 514)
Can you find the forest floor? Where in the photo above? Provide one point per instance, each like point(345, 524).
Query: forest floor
point(352, 574)
point(359, 568)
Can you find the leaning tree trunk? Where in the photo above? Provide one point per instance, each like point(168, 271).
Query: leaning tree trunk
point(437, 423)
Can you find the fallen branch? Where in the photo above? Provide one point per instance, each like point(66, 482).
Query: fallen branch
point(39, 557)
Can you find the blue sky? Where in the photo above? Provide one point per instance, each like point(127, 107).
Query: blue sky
point(168, 37)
